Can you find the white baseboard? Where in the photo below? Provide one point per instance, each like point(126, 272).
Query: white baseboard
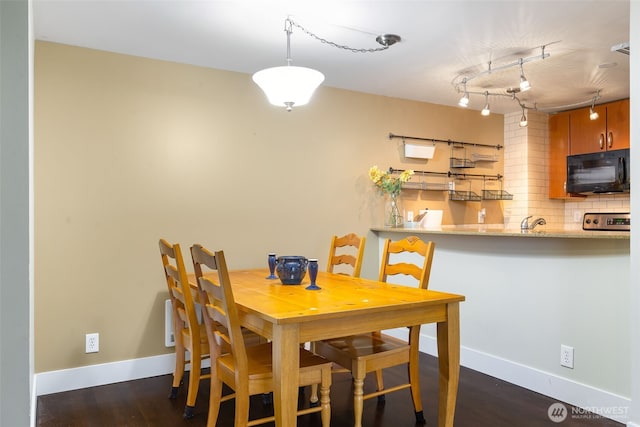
point(33, 415)
point(106, 373)
point(562, 389)
point(602, 402)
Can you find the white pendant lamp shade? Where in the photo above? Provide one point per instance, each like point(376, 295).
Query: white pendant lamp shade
point(288, 85)
point(291, 86)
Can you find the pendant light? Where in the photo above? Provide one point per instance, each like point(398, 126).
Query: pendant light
point(288, 85)
point(291, 86)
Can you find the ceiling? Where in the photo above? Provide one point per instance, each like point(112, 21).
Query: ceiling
point(442, 42)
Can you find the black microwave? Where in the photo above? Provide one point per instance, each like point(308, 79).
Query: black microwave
point(602, 172)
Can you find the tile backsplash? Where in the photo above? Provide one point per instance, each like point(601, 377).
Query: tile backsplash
point(526, 177)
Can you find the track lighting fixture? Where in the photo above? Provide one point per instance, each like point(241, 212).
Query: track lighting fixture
point(593, 114)
point(461, 82)
point(464, 101)
point(486, 111)
point(288, 85)
point(523, 119)
point(524, 83)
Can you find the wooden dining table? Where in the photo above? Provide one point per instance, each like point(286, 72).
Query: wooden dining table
point(289, 315)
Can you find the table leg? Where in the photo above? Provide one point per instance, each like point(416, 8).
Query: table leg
point(449, 364)
point(286, 356)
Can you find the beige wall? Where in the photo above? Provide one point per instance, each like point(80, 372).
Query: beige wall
point(128, 150)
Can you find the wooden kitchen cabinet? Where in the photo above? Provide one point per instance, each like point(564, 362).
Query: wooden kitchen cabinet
point(618, 125)
point(609, 132)
point(559, 140)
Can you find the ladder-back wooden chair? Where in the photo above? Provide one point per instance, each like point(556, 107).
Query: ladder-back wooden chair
point(345, 257)
point(246, 370)
point(372, 352)
point(347, 250)
point(189, 334)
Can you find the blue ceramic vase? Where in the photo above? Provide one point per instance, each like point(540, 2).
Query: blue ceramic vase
point(291, 269)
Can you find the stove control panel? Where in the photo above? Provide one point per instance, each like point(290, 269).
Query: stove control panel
point(604, 221)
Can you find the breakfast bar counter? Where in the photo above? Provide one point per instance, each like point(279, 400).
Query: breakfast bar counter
point(499, 230)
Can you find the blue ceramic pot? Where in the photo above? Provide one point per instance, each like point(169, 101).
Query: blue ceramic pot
point(291, 269)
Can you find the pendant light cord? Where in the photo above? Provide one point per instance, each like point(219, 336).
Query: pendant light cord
point(339, 46)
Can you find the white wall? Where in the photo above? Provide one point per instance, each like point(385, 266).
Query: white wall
point(128, 150)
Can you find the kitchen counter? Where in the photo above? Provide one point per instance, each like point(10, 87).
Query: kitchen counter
point(499, 230)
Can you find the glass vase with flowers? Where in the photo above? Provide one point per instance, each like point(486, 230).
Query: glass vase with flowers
point(390, 184)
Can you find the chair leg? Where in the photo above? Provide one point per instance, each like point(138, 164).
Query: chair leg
point(313, 399)
point(358, 371)
point(215, 395)
point(380, 381)
point(178, 371)
point(242, 408)
point(414, 373)
point(189, 412)
point(194, 383)
point(325, 403)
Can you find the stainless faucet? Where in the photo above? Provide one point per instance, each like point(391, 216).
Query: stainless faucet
point(524, 225)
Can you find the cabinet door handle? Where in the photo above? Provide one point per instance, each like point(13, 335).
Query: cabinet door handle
point(610, 140)
point(601, 141)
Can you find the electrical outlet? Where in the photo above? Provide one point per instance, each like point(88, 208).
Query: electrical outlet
point(92, 343)
point(566, 356)
point(577, 216)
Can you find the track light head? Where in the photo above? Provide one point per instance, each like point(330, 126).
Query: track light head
point(464, 101)
point(523, 120)
point(524, 83)
point(486, 111)
point(593, 114)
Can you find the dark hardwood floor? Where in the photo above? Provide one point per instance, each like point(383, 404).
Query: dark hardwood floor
point(482, 401)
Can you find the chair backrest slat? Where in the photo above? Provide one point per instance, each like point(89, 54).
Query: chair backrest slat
point(349, 242)
point(412, 245)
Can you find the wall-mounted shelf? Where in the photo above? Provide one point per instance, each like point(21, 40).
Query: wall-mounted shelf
point(461, 163)
point(496, 195)
point(425, 186)
point(444, 184)
point(477, 157)
point(424, 183)
point(464, 196)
